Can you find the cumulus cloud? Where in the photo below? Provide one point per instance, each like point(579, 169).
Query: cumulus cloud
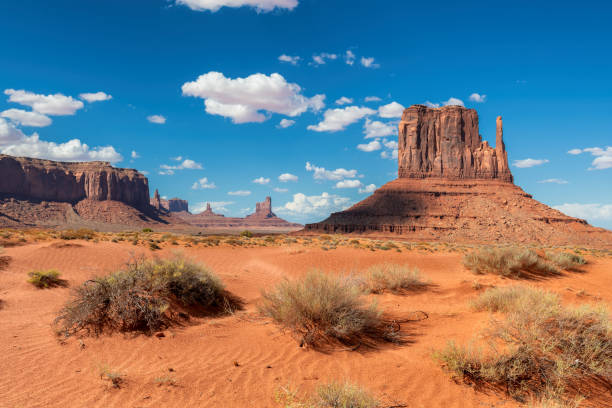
point(369, 62)
point(603, 157)
point(26, 118)
point(348, 184)
point(303, 206)
point(244, 99)
point(286, 177)
point(240, 193)
point(95, 96)
point(320, 173)
point(478, 98)
point(431, 104)
point(587, 211)
point(186, 164)
point(293, 60)
point(157, 119)
point(338, 119)
point(322, 58)
point(261, 180)
point(349, 57)
point(372, 99)
point(280, 190)
point(259, 5)
point(135, 155)
point(526, 163)
point(203, 184)
point(285, 123)
point(344, 101)
point(453, 101)
point(375, 129)
point(392, 110)
point(553, 181)
point(392, 151)
point(370, 147)
point(55, 105)
point(14, 142)
point(370, 188)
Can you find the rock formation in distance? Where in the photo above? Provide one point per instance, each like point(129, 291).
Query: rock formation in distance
point(454, 187)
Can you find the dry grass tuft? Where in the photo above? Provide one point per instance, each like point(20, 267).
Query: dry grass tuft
point(147, 295)
point(394, 278)
point(541, 349)
point(565, 260)
point(320, 308)
point(115, 378)
point(46, 279)
point(511, 262)
point(331, 395)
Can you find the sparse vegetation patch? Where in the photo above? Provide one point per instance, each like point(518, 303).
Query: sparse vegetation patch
point(46, 279)
point(511, 262)
point(394, 278)
point(332, 395)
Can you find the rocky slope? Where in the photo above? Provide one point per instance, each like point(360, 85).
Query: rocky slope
point(452, 186)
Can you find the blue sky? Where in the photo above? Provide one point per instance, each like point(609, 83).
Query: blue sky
point(203, 81)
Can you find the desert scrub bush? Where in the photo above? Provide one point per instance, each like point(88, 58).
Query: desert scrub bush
point(147, 295)
point(147, 230)
point(320, 308)
point(539, 349)
point(392, 277)
point(565, 260)
point(246, 234)
point(331, 395)
point(115, 378)
point(510, 262)
point(153, 246)
point(82, 233)
point(506, 299)
point(46, 279)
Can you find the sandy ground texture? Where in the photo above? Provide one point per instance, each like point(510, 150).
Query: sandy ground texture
point(242, 359)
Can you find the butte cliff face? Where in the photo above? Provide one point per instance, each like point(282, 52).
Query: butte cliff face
point(453, 186)
point(446, 143)
point(72, 182)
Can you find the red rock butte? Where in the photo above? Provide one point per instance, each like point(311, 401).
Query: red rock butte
point(453, 186)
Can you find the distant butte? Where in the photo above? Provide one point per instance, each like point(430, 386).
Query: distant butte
point(453, 186)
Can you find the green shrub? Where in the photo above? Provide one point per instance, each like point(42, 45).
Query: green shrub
point(509, 262)
point(147, 295)
point(147, 230)
point(246, 234)
point(82, 233)
point(565, 260)
point(46, 279)
point(321, 308)
point(392, 277)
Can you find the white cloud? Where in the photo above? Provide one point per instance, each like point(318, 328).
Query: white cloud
point(315, 205)
point(587, 211)
point(95, 96)
point(372, 99)
point(280, 190)
point(157, 119)
point(27, 118)
point(286, 177)
point(320, 173)
point(323, 58)
point(370, 147)
point(374, 129)
point(392, 110)
point(217, 206)
point(135, 155)
point(244, 99)
point(344, 101)
point(55, 105)
point(553, 181)
point(370, 188)
point(390, 154)
point(390, 144)
point(241, 193)
point(431, 104)
point(575, 151)
point(186, 164)
point(478, 98)
point(368, 62)
point(259, 5)
point(293, 60)
point(526, 163)
point(14, 142)
point(177, 158)
point(261, 180)
point(203, 183)
point(603, 157)
point(453, 101)
point(338, 119)
point(349, 57)
point(348, 184)
point(285, 123)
